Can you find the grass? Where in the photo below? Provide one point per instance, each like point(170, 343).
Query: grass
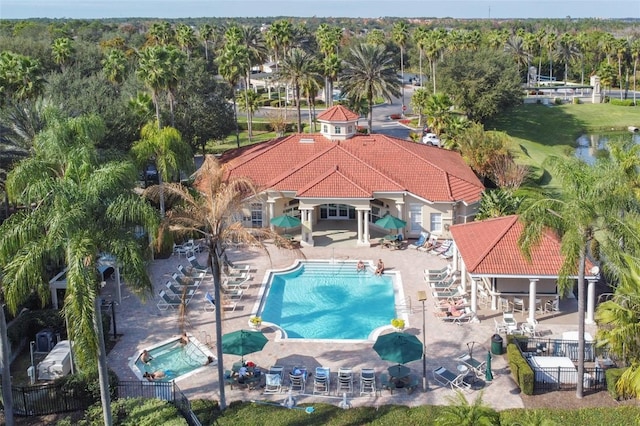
point(538, 131)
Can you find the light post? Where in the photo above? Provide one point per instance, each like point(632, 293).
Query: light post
point(422, 296)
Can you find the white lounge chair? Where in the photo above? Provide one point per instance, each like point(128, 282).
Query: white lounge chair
point(424, 237)
point(169, 301)
point(210, 304)
point(478, 367)
point(195, 265)
point(344, 381)
point(178, 291)
point(322, 380)
point(273, 383)
point(297, 382)
point(368, 381)
point(467, 316)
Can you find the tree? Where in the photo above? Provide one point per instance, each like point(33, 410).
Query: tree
point(115, 66)
point(231, 66)
point(515, 46)
point(212, 213)
point(328, 39)
point(401, 37)
point(153, 71)
point(206, 35)
point(460, 413)
point(368, 73)
point(81, 209)
point(297, 67)
point(438, 110)
point(20, 77)
point(165, 148)
point(419, 101)
point(618, 330)
point(481, 83)
point(480, 149)
point(420, 35)
point(249, 101)
point(566, 52)
point(160, 34)
point(252, 39)
point(589, 206)
point(62, 50)
point(635, 55)
point(186, 38)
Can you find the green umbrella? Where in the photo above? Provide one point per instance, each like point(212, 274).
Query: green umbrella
point(285, 221)
point(488, 375)
point(390, 222)
point(398, 347)
point(243, 342)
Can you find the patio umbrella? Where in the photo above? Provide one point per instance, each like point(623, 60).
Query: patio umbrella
point(285, 221)
point(243, 342)
point(488, 375)
point(390, 222)
point(398, 347)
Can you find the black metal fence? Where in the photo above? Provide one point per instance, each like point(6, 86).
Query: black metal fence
point(565, 378)
point(52, 398)
point(559, 347)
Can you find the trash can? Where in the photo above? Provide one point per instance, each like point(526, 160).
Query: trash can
point(496, 344)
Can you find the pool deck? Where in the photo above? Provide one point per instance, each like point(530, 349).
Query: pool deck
point(141, 324)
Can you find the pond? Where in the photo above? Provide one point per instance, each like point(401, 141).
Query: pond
point(589, 147)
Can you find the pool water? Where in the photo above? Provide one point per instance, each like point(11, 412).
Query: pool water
point(329, 301)
point(174, 359)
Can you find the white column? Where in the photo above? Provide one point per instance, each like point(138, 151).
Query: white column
point(366, 227)
point(463, 275)
point(271, 204)
point(310, 221)
point(532, 299)
point(455, 257)
point(399, 206)
point(591, 301)
point(474, 296)
point(494, 297)
point(360, 236)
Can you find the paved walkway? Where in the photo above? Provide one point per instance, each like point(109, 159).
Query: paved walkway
point(141, 325)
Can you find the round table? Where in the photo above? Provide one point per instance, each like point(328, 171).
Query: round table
point(463, 369)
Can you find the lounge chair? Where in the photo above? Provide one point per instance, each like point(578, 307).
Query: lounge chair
point(232, 293)
point(322, 380)
point(344, 382)
point(448, 254)
point(195, 265)
point(177, 290)
point(447, 378)
point(430, 244)
point(432, 272)
point(446, 284)
point(424, 237)
point(179, 250)
point(368, 381)
point(167, 301)
point(192, 273)
point(442, 248)
point(478, 367)
point(434, 278)
point(210, 304)
point(451, 294)
point(237, 284)
point(191, 283)
point(467, 316)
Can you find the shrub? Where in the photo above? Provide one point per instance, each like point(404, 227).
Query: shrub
point(520, 369)
point(557, 101)
point(612, 375)
point(136, 412)
point(577, 101)
point(621, 102)
point(205, 410)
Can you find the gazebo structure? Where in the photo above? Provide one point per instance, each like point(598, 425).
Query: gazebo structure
point(341, 174)
point(489, 256)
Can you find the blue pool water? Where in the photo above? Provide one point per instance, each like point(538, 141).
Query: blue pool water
point(174, 359)
point(328, 301)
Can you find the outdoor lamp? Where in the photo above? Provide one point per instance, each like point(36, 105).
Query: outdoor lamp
point(422, 296)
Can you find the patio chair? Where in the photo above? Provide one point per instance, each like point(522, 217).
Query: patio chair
point(530, 327)
point(478, 367)
point(241, 283)
point(321, 380)
point(467, 316)
point(448, 254)
point(232, 293)
point(273, 383)
point(387, 384)
point(442, 248)
point(434, 278)
point(169, 302)
point(430, 272)
point(431, 244)
point(192, 273)
point(180, 250)
point(297, 381)
point(344, 381)
point(193, 284)
point(424, 237)
point(509, 320)
point(500, 327)
point(446, 284)
point(449, 294)
point(177, 291)
point(368, 381)
point(447, 378)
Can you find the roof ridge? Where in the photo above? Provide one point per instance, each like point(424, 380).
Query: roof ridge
point(491, 247)
point(332, 171)
point(299, 166)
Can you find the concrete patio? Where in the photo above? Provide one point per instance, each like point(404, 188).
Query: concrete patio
point(142, 324)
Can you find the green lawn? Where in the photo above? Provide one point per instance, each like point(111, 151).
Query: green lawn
point(539, 131)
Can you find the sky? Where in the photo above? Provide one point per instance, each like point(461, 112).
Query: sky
point(95, 9)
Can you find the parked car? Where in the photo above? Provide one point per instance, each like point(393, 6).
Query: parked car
point(431, 139)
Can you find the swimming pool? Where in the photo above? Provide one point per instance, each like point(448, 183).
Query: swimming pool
point(176, 360)
point(329, 300)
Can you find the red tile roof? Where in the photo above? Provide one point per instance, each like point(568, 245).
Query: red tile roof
point(490, 247)
point(337, 113)
point(313, 166)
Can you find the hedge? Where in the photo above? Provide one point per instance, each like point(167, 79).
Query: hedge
point(520, 369)
point(611, 376)
point(621, 102)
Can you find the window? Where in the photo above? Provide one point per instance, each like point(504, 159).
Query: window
point(350, 129)
point(415, 218)
point(325, 128)
point(436, 222)
point(338, 130)
point(256, 215)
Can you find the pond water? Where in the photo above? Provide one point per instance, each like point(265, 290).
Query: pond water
point(589, 147)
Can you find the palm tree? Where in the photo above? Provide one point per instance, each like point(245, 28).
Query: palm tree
point(20, 77)
point(81, 208)
point(165, 148)
point(438, 109)
point(231, 66)
point(622, 51)
point(153, 71)
point(635, 55)
point(515, 46)
point(550, 41)
point(175, 66)
point(587, 208)
point(62, 49)
point(618, 320)
point(401, 37)
point(567, 51)
point(369, 72)
point(310, 86)
point(460, 413)
point(114, 66)
point(296, 67)
point(279, 37)
point(331, 66)
point(206, 34)
point(328, 39)
point(249, 102)
point(420, 35)
point(160, 33)
point(252, 39)
point(186, 38)
point(213, 213)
